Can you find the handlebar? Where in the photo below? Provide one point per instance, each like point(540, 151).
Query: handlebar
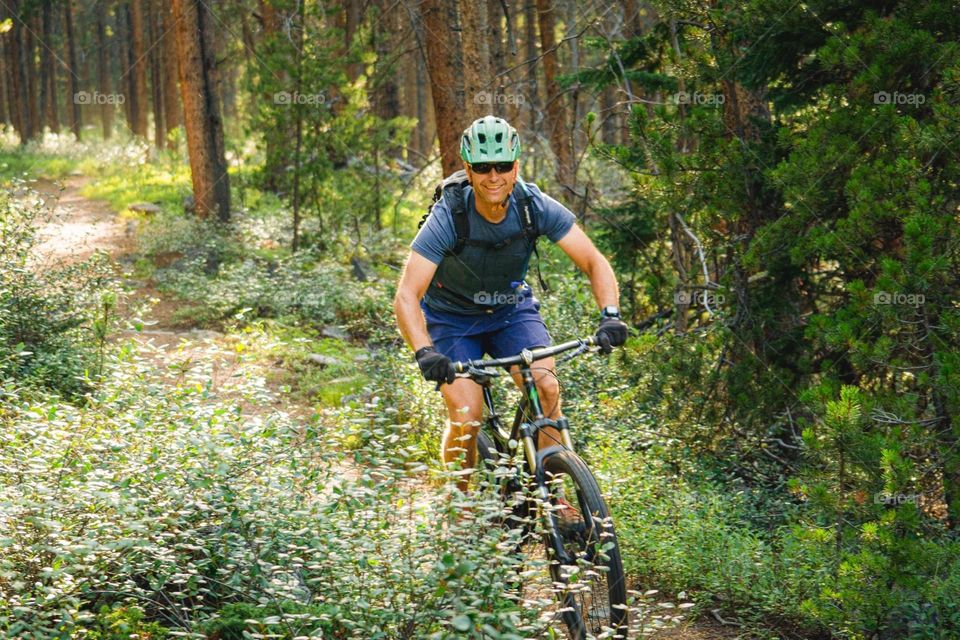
point(526, 357)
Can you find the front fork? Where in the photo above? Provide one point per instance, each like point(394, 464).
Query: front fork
point(529, 432)
point(539, 421)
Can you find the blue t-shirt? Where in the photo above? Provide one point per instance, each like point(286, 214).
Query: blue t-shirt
point(438, 234)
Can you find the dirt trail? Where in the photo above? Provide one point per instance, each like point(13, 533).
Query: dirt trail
point(75, 228)
point(79, 226)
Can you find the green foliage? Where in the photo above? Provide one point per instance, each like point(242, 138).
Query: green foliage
point(817, 177)
point(324, 146)
point(53, 317)
point(206, 518)
point(123, 623)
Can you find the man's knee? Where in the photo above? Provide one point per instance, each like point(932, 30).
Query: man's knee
point(548, 387)
point(464, 400)
point(549, 390)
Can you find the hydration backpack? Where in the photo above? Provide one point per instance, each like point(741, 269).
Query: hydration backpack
point(451, 188)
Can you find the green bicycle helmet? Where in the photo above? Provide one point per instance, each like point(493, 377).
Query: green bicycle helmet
point(489, 139)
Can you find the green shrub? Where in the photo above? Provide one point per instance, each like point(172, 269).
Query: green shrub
point(122, 623)
point(53, 318)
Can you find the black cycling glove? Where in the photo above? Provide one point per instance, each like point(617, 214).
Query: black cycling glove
point(435, 366)
point(612, 333)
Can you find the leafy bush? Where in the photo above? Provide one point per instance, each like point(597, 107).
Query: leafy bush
point(122, 623)
point(53, 318)
point(171, 501)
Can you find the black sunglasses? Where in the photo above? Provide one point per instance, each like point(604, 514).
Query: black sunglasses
point(485, 167)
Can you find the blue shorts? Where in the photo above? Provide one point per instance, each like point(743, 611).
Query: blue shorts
point(505, 332)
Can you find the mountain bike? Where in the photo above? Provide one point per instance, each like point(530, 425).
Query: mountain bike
point(581, 545)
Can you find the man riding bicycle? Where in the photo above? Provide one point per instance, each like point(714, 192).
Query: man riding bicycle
point(460, 297)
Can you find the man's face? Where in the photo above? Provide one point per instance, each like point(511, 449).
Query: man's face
point(493, 187)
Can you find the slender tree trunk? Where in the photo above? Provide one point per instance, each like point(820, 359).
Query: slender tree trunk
point(73, 80)
point(170, 72)
point(156, 84)
point(502, 84)
point(129, 70)
point(556, 112)
point(533, 90)
point(33, 78)
point(441, 46)
point(479, 94)
point(103, 73)
point(408, 100)
point(139, 70)
point(11, 69)
point(122, 60)
point(17, 58)
point(577, 138)
point(298, 137)
point(11, 66)
point(352, 22)
point(48, 81)
point(198, 85)
point(4, 96)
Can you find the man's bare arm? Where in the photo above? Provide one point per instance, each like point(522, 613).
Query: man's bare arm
point(588, 258)
point(417, 274)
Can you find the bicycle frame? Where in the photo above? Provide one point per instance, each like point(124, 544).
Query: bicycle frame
point(565, 546)
point(528, 420)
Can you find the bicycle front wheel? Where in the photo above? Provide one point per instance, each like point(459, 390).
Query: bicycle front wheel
point(589, 577)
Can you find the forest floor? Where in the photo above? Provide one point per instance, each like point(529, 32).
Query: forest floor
point(77, 227)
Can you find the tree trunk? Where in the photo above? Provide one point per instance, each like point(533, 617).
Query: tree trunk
point(139, 68)
point(33, 85)
point(17, 59)
point(532, 97)
point(502, 84)
point(352, 22)
point(4, 96)
point(195, 52)
point(556, 113)
point(11, 66)
point(122, 40)
point(156, 84)
point(169, 69)
point(441, 46)
point(577, 138)
point(73, 80)
point(103, 72)
point(48, 71)
point(479, 92)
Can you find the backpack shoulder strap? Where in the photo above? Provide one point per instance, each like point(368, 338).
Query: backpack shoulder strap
point(530, 218)
point(529, 214)
point(452, 191)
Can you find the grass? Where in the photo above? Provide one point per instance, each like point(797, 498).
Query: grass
point(165, 184)
point(290, 348)
point(25, 165)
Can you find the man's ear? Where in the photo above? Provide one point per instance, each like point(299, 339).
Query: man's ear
point(466, 167)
